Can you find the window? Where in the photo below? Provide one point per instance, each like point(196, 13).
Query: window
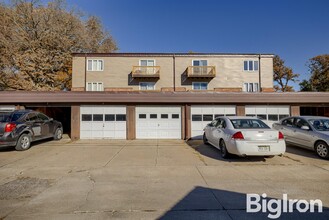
point(95, 86)
point(248, 123)
point(109, 117)
point(288, 122)
point(250, 65)
point(299, 123)
point(97, 117)
point(262, 116)
point(221, 123)
point(95, 65)
point(283, 116)
point(146, 86)
point(86, 117)
point(42, 117)
point(32, 117)
point(142, 116)
point(153, 116)
point(200, 66)
point(200, 85)
point(175, 116)
point(120, 117)
point(164, 116)
point(147, 62)
point(273, 117)
point(207, 117)
point(250, 87)
point(196, 117)
point(200, 62)
point(218, 115)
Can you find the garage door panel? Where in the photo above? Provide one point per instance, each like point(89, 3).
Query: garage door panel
point(158, 122)
point(101, 122)
point(86, 134)
point(271, 114)
point(97, 133)
point(201, 115)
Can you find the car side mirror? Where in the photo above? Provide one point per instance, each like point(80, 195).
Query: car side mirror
point(210, 125)
point(51, 119)
point(305, 127)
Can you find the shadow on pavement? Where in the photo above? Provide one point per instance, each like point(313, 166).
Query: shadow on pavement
point(214, 153)
point(208, 203)
point(302, 152)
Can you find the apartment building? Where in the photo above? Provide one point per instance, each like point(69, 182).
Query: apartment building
point(168, 72)
point(173, 72)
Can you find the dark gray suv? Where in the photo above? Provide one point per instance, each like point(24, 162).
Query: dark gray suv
point(21, 127)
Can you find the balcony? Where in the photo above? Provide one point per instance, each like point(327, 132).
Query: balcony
point(146, 72)
point(201, 72)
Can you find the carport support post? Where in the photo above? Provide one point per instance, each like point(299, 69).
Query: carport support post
point(187, 122)
point(295, 110)
point(75, 122)
point(240, 110)
point(131, 122)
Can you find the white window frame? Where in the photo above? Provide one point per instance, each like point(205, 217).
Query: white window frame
point(246, 87)
point(194, 83)
point(99, 86)
point(147, 87)
point(199, 60)
point(147, 60)
point(92, 66)
point(253, 65)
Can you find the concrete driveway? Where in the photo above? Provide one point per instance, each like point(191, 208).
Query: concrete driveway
point(151, 179)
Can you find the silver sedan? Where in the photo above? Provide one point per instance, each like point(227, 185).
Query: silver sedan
point(310, 132)
point(243, 136)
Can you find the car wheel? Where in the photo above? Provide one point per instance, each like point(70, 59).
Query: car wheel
point(224, 153)
point(23, 143)
point(58, 134)
point(205, 140)
point(322, 149)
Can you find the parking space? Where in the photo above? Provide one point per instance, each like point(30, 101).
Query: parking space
point(150, 179)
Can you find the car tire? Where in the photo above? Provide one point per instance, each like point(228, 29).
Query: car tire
point(223, 150)
point(322, 149)
point(58, 134)
point(23, 143)
point(204, 138)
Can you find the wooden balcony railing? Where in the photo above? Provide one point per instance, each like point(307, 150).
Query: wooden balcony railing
point(146, 71)
point(201, 71)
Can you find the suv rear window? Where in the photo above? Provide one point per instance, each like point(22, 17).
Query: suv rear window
point(4, 116)
point(15, 116)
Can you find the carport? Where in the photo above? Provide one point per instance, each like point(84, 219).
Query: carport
point(133, 110)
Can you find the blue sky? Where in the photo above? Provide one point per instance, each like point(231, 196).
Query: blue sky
point(296, 30)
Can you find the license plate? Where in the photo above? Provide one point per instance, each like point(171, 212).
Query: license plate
point(263, 148)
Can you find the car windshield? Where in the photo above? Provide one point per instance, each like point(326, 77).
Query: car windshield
point(4, 116)
point(320, 124)
point(248, 124)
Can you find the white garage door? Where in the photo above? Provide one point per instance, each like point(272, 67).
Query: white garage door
point(269, 114)
point(101, 122)
point(202, 115)
point(158, 122)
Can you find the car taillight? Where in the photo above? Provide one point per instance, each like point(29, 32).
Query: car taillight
point(281, 135)
point(238, 136)
point(10, 127)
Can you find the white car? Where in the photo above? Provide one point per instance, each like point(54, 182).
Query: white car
point(244, 136)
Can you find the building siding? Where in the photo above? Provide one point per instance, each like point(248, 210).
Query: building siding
point(117, 72)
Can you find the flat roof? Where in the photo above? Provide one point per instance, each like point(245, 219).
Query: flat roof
point(139, 97)
point(170, 54)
